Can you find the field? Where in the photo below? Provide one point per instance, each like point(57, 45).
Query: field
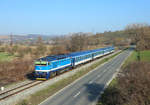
point(5, 57)
point(144, 56)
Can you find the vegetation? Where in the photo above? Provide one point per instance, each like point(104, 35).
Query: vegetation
point(5, 57)
point(16, 71)
point(140, 35)
point(144, 56)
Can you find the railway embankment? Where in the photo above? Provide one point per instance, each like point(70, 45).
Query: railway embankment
point(59, 81)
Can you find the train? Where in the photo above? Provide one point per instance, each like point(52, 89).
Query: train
point(52, 65)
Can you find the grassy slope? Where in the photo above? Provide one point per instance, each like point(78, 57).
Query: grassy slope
point(144, 55)
point(5, 57)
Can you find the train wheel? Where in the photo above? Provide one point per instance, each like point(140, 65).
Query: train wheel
point(53, 74)
point(57, 72)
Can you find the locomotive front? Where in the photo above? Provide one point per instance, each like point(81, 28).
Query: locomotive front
point(42, 69)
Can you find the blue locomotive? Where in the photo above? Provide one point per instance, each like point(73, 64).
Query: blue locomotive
point(49, 66)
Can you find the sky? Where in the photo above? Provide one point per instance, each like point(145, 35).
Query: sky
point(53, 17)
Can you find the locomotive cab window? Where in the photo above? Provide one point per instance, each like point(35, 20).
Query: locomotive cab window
point(40, 63)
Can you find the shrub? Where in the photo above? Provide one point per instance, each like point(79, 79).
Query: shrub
point(15, 70)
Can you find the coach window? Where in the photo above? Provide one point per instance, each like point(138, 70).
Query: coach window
point(77, 59)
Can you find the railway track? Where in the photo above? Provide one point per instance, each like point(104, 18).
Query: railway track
point(18, 89)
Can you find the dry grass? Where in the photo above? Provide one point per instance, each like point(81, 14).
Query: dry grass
point(15, 70)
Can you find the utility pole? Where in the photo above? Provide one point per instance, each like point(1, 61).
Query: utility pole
point(11, 39)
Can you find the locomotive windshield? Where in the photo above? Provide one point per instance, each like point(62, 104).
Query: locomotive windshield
point(40, 63)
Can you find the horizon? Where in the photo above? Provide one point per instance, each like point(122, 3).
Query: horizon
point(64, 17)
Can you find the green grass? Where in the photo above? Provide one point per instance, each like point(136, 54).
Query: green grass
point(5, 57)
point(113, 82)
point(144, 56)
point(41, 95)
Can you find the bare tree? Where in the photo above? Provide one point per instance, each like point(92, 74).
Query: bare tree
point(140, 34)
point(39, 41)
point(78, 42)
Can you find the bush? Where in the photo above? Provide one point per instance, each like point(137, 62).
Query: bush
point(15, 70)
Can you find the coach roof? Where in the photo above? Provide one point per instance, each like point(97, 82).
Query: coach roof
point(74, 54)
